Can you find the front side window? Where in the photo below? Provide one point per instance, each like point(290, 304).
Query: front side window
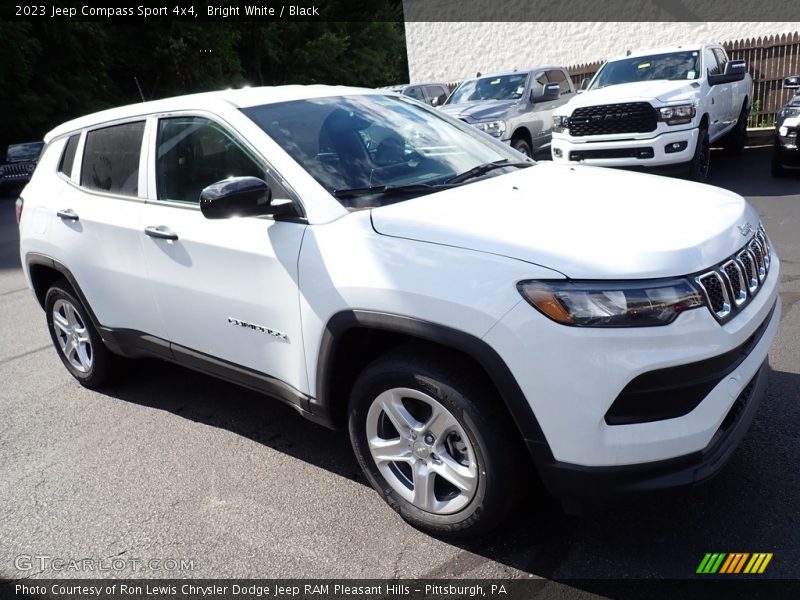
point(501, 87)
point(711, 64)
point(722, 59)
point(670, 66)
point(559, 78)
point(194, 152)
point(369, 141)
point(111, 159)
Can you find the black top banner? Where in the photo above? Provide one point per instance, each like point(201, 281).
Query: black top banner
point(411, 10)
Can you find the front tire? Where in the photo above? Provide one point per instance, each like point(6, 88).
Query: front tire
point(430, 439)
point(76, 340)
point(700, 165)
point(522, 146)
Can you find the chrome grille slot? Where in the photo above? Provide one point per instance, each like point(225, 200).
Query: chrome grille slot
point(755, 248)
point(748, 263)
point(730, 285)
point(716, 293)
point(736, 281)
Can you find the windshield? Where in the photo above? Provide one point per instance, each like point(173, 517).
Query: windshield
point(673, 66)
point(501, 87)
point(19, 152)
point(369, 141)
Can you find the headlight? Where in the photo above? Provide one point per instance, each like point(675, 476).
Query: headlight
point(788, 112)
point(611, 303)
point(493, 128)
point(677, 115)
point(560, 123)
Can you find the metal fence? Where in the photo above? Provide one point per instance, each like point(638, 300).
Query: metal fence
point(769, 60)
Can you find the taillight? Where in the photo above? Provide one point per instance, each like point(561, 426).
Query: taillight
point(18, 206)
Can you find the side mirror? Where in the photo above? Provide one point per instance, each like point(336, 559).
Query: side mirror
point(545, 93)
point(236, 197)
point(734, 71)
point(792, 82)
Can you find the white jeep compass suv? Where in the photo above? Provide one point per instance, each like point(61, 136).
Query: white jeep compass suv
point(465, 312)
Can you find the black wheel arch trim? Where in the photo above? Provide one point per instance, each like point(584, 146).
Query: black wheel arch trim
point(477, 349)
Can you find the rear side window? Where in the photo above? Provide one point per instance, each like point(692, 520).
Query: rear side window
point(194, 152)
point(68, 157)
point(415, 92)
point(111, 159)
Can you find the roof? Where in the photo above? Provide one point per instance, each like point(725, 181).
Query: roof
point(664, 50)
point(238, 98)
point(516, 72)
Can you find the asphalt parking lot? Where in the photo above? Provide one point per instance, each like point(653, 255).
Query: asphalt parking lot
point(173, 464)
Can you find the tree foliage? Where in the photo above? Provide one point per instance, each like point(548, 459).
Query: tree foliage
point(54, 71)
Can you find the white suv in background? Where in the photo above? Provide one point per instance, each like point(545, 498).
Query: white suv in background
point(467, 314)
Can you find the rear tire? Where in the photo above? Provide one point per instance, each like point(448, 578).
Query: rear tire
point(432, 442)
point(736, 140)
point(76, 340)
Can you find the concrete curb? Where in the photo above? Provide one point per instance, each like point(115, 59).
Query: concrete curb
point(760, 135)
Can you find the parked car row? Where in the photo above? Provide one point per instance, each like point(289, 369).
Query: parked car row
point(662, 108)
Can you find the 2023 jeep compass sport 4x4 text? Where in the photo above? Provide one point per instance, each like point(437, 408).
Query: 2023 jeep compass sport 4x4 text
point(384, 268)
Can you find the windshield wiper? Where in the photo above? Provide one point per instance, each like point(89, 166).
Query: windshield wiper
point(411, 188)
point(485, 168)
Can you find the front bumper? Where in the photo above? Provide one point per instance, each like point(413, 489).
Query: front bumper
point(576, 483)
point(649, 152)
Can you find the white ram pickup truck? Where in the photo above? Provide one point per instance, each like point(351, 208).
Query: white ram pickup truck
point(657, 108)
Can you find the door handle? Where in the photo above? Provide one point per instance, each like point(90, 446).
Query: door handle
point(67, 214)
point(160, 232)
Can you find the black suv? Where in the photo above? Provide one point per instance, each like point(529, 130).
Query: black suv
point(18, 167)
point(786, 156)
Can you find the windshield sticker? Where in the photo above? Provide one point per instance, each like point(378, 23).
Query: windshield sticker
point(644, 65)
point(494, 81)
point(691, 75)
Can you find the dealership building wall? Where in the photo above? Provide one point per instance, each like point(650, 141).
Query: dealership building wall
point(449, 52)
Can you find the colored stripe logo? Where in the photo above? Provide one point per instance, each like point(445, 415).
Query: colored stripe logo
point(734, 563)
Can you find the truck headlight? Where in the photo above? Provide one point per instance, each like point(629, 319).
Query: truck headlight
point(677, 115)
point(560, 123)
point(493, 128)
point(611, 303)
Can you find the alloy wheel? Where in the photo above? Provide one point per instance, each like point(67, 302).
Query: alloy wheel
point(72, 335)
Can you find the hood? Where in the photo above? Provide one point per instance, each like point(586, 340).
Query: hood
point(585, 222)
point(660, 91)
point(483, 110)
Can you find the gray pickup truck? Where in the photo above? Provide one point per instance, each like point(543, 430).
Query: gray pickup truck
point(516, 106)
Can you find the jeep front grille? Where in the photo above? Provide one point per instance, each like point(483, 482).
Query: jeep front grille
point(730, 285)
point(628, 117)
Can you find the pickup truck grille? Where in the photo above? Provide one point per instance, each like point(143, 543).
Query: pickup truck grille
point(629, 117)
point(730, 285)
point(15, 170)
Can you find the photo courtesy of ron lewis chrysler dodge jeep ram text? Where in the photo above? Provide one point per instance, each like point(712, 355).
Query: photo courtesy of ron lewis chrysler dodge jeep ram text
point(468, 315)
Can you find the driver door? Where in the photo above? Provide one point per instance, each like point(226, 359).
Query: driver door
point(226, 289)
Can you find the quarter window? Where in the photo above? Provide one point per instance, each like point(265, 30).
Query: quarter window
point(68, 157)
point(111, 159)
point(194, 152)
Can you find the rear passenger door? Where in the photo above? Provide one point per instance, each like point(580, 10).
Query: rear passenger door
point(226, 288)
point(95, 228)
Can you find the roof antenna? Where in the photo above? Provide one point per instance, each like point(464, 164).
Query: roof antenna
point(138, 87)
point(627, 52)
